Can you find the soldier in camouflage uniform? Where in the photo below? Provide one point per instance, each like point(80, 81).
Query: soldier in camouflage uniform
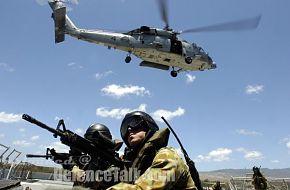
point(160, 167)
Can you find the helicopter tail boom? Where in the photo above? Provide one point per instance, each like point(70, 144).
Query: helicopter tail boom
point(62, 23)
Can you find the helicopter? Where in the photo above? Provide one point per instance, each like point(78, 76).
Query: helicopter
point(157, 48)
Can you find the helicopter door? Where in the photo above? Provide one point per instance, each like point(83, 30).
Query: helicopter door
point(176, 47)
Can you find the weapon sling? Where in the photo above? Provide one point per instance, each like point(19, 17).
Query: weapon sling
point(193, 171)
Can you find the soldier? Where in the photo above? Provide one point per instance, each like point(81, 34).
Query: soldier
point(259, 181)
point(160, 167)
point(91, 131)
point(217, 186)
point(91, 134)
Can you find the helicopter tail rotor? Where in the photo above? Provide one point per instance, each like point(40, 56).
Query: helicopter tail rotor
point(58, 15)
point(62, 23)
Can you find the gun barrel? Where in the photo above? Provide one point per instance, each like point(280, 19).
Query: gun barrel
point(37, 156)
point(40, 124)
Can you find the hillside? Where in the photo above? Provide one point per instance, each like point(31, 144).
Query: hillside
point(225, 174)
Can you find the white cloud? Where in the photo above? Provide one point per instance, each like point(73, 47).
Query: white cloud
point(248, 133)
point(218, 155)
point(59, 147)
point(22, 143)
point(251, 154)
point(74, 1)
point(6, 67)
point(2, 135)
point(118, 91)
point(34, 138)
point(254, 89)
point(168, 115)
point(117, 113)
point(79, 131)
point(190, 78)
point(275, 161)
point(288, 144)
point(286, 141)
point(41, 2)
point(75, 65)
point(10, 117)
point(99, 76)
point(22, 130)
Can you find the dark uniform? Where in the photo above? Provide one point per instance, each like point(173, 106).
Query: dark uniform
point(217, 186)
point(91, 134)
point(259, 181)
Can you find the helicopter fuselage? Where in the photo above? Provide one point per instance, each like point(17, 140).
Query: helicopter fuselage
point(158, 48)
point(153, 45)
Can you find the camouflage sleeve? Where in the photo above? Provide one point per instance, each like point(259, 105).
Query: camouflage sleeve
point(167, 171)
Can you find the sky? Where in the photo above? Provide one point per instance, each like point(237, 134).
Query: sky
point(235, 116)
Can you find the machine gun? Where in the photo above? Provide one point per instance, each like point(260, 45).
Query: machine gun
point(67, 160)
point(50, 153)
point(102, 151)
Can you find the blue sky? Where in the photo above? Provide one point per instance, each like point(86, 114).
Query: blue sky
point(235, 116)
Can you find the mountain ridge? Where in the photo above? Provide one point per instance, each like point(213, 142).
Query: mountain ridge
point(226, 174)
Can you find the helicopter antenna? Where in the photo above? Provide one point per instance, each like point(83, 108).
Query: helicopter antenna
point(163, 9)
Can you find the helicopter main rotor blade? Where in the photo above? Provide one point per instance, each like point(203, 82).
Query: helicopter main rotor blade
point(163, 9)
point(245, 24)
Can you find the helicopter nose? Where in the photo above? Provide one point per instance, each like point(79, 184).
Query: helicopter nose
point(213, 66)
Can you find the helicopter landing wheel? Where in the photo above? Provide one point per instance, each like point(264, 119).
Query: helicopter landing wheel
point(173, 73)
point(188, 60)
point(128, 59)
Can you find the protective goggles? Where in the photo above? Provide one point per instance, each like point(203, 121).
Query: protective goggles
point(91, 136)
point(134, 123)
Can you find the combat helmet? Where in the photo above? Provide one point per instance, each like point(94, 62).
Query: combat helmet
point(137, 119)
point(95, 129)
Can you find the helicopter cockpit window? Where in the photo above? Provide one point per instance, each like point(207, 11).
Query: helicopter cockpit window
point(201, 50)
point(136, 31)
point(145, 29)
